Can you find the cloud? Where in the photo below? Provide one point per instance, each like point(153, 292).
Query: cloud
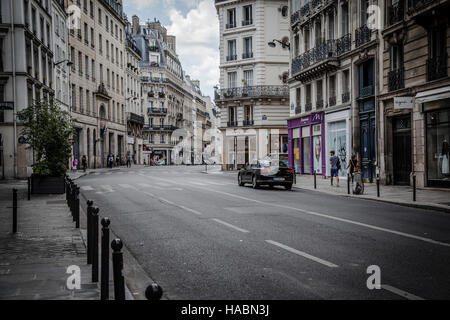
point(198, 41)
point(140, 5)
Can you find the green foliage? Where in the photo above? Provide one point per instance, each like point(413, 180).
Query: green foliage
point(48, 129)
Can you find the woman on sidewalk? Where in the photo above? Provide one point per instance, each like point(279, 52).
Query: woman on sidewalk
point(353, 166)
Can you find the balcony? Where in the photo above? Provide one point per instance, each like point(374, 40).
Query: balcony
point(159, 128)
point(247, 55)
point(417, 5)
point(437, 68)
point(366, 92)
point(230, 25)
point(343, 44)
point(154, 48)
point(332, 101)
point(248, 123)
point(161, 111)
point(102, 92)
point(346, 97)
point(308, 106)
point(247, 22)
point(319, 104)
point(362, 36)
point(232, 124)
point(151, 94)
point(232, 58)
point(254, 91)
point(396, 79)
point(133, 117)
point(295, 17)
point(298, 110)
point(396, 13)
point(161, 94)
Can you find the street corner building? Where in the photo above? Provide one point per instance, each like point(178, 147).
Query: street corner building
point(253, 96)
point(379, 91)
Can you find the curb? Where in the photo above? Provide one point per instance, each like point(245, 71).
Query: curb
point(435, 207)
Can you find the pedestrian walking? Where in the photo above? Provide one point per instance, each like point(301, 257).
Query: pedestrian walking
point(128, 161)
point(117, 161)
point(75, 164)
point(353, 166)
point(84, 162)
point(335, 166)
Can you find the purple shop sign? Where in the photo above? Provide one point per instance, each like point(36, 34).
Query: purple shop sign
point(313, 118)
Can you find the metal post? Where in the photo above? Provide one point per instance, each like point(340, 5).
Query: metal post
point(74, 196)
point(95, 211)
point(206, 166)
point(29, 188)
point(378, 186)
point(89, 203)
point(348, 183)
point(414, 188)
point(77, 207)
point(119, 281)
point(315, 180)
point(14, 210)
point(104, 287)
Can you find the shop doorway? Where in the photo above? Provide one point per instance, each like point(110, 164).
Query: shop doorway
point(76, 145)
point(402, 163)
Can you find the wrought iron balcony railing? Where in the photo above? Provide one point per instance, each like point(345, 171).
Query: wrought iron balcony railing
point(343, 44)
point(362, 35)
point(332, 101)
point(315, 3)
point(253, 91)
point(319, 104)
point(232, 57)
point(416, 5)
point(230, 25)
point(247, 22)
point(157, 110)
point(232, 124)
point(295, 17)
point(308, 106)
point(345, 97)
point(247, 55)
point(133, 117)
point(298, 110)
point(367, 91)
point(396, 79)
point(248, 123)
point(396, 12)
point(437, 68)
point(315, 55)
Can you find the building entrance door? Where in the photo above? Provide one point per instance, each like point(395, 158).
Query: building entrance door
point(368, 152)
point(402, 163)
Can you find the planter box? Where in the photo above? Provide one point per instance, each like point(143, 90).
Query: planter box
point(47, 185)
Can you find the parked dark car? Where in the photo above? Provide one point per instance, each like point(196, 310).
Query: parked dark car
point(267, 172)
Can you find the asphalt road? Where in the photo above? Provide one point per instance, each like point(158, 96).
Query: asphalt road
point(201, 236)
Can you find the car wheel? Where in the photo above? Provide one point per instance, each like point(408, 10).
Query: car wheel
point(240, 183)
point(271, 186)
point(254, 183)
point(288, 186)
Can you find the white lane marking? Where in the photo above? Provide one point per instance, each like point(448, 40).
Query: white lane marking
point(174, 204)
point(107, 187)
point(167, 201)
point(96, 173)
point(231, 226)
point(145, 185)
point(108, 173)
point(399, 233)
point(190, 210)
point(162, 184)
point(126, 186)
point(87, 188)
point(197, 183)
point(401, 293)
point(303, 254)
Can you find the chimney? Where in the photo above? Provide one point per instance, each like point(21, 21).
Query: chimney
point(135, 27)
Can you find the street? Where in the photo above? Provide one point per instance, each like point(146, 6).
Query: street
point(201, 236)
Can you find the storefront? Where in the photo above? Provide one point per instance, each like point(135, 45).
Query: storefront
point(338, 138)
point(306, 144)
point(437, 118)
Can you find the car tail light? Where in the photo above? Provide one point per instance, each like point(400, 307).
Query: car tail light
point(266, 170)
point(290, 171)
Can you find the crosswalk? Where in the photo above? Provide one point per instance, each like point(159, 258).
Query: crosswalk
point(168, 185)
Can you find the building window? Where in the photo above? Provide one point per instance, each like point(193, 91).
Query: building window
point(231, 18)
point(306, 37)
point(332, 91)
point(437, 53)
point(345, 19)
point(285, 11)
point(74, 98)
point(248, 47)
point(231, 50)
point(99, 16)
point(232, 116)
point(319, 94)
point(248, 78)
point(308, 103)
point(248, 115)
point(81, 100)
point(232, 79)
point(298, 101)
point(248, 16)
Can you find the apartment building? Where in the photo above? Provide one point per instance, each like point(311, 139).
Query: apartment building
point(134, 99)
point(334, 81)
point(97, 51)
point(26, 73)
point(169, 101)
point(253, 96)
point(414, 106)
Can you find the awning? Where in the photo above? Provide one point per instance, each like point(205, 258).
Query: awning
point(433, 95)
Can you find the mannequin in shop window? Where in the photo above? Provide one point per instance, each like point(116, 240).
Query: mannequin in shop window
point(445, 158)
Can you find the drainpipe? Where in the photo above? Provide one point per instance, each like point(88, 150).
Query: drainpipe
point(13, 42)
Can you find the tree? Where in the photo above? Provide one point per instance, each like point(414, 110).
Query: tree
point(48, 129)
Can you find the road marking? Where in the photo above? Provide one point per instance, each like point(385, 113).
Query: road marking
point(399, 233)
point(126, 186)
point(108, 173)
point(107, 187)
point(145, 185)
point(401, 293)
point(96, 173)
point(303, 254)
point(231, 226)
point(167, 201)
point(190, 210)
point(87, 188)
point(198, 183)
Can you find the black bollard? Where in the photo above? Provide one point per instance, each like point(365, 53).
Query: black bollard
point(29, 188)
point(14, 210)
point(348, 183)
point(104, 286)
point(378, 186)
point(153, 292)
point(89, 203)
point(77, 207)
point(95, 211)
point(119, 281)
point(414, 188)
point(315, 180)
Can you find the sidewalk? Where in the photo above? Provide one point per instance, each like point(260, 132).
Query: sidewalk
point(80, 173)
point(402, 195)
point(34, 261)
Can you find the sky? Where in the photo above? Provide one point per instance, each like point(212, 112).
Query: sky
point(196, 26)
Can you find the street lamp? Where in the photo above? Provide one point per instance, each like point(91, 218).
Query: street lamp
point(69, 63)
point(284, 44)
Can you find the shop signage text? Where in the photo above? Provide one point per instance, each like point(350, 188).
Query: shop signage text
point(403, 103)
